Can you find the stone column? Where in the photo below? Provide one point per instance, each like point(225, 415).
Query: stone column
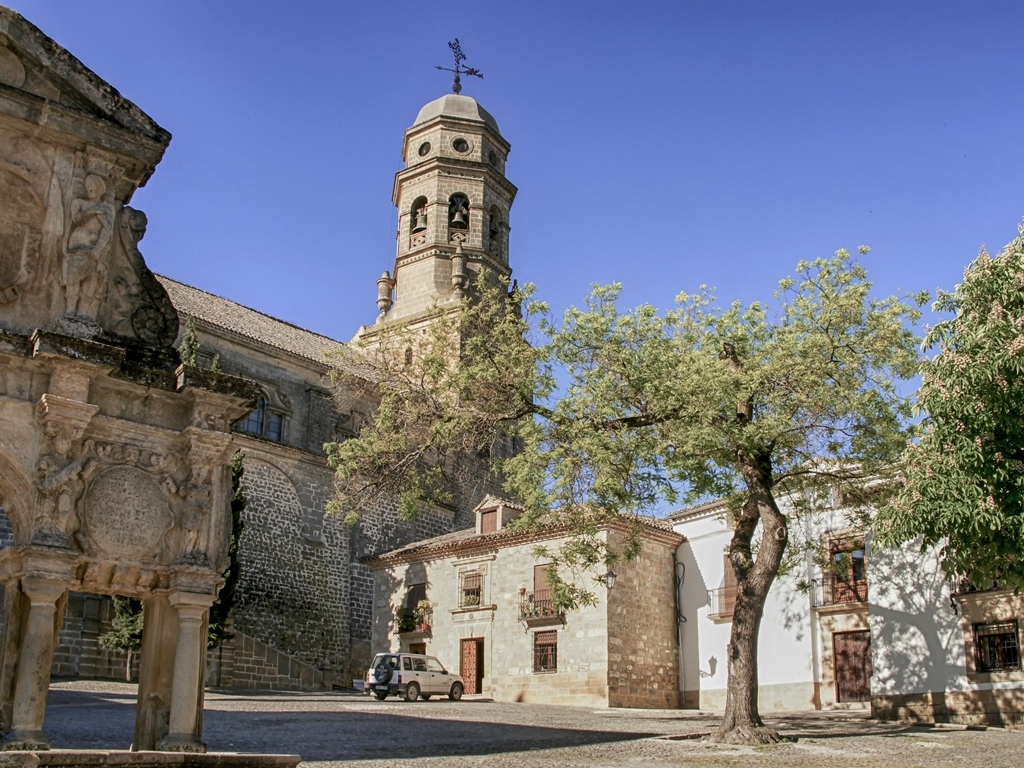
point(156, 672)
point(189, 658)
point(32, 680)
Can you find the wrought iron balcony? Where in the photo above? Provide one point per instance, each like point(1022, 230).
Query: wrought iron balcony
point(537, 609)
point(722, 602)
point(833, 591)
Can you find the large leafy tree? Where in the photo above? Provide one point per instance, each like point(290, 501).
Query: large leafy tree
point(964, 476)
point(614, 412)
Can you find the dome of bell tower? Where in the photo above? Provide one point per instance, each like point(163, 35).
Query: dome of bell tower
point(458, 107)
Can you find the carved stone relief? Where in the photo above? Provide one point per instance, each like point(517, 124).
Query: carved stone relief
point(90, 233)
point(126, 514)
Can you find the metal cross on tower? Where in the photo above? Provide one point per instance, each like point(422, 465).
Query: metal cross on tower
point(459, 69)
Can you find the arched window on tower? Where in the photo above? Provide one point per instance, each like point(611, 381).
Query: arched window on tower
point(494, 227)
point(418, 215)
point(458, 211)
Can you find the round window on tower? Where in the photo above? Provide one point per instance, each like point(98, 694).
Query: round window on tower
point(460, 145)
point(424, 149)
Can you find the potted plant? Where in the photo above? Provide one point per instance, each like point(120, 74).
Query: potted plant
point(470, 600)
point(421, 615)
point(404, 622)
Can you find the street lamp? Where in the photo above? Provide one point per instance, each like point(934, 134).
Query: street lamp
point(609, 579)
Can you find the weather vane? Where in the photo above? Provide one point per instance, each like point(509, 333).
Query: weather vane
point(459, 69)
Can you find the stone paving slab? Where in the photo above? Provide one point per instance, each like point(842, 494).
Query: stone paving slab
point(354, 731)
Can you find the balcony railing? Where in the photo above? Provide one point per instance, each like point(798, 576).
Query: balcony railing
point(536, 605)
point(835, 591)
point(722, 602)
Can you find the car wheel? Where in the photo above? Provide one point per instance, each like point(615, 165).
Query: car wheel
point(412, 692)
point(382, 673)
point(381, 695)
point(456, 692)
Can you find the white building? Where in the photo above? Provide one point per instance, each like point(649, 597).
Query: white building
point(852, 626)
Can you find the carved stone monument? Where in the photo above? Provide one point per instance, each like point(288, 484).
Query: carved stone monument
point(114, 458)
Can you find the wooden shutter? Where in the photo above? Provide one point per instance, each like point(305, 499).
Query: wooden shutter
point(489, 521)
point(540, 578)
point(416, 593)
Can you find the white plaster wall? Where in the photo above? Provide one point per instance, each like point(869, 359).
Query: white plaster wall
point(917, 640)
point(786, 652)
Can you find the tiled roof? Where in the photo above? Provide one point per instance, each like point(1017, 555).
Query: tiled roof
point(697, 510)
point(468, 541)
point(227, 315)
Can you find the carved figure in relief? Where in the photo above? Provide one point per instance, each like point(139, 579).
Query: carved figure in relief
point(147, 311)
point(59, 491)
point(24, 176)
point(92, 225)
point(195, 519)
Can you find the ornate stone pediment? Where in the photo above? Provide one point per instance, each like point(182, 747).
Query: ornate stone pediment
point(72, 153)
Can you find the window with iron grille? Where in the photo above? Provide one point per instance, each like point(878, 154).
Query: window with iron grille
point(471, 589)
point(545, 651)
point(995, 646)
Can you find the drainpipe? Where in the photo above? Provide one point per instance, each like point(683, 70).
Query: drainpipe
point(678, 575)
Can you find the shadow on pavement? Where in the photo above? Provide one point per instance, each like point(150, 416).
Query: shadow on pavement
point(90, 720)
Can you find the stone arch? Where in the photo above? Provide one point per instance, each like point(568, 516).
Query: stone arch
point(289, 592)
point(17, 498)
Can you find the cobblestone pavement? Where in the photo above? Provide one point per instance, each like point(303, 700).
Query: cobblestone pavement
point(353, 731)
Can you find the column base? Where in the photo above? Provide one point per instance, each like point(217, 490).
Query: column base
point(180, 742)
point(25, 741)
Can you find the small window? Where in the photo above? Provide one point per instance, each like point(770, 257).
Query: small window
point(545, 651)
point(471, 593)
point(419, 665)
point(433, 665)
point(995, 646)
point(263, 422)
point(407, 664)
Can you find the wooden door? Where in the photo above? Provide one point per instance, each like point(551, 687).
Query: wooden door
point(472, 663)
point(852, 659)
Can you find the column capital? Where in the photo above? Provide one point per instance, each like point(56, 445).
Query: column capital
point(42, 590)
point(190, 605)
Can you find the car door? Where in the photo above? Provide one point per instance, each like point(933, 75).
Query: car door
point(422, 675)
point(438, 676)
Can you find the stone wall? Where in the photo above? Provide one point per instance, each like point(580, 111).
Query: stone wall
point(243, 662)
point(643, 650)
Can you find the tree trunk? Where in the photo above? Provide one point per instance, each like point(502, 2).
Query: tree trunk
point(742, 722)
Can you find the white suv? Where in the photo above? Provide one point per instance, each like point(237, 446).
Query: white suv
point(411, 675)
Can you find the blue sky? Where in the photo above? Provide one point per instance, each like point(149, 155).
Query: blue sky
point(663, 145)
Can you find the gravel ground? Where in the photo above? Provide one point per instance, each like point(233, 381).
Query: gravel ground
point(350, 730)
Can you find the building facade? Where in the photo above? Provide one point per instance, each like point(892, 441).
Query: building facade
point(853, 626)
point(479, 600)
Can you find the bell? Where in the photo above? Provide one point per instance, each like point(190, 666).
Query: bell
point(421, 223)
point(458, 220)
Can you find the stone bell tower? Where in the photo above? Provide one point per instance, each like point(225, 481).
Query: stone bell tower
point(453, 205)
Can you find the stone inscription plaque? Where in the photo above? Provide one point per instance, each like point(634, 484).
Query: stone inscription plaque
point(126, 514)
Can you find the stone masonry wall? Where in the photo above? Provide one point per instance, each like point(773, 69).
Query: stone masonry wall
point(294, 583)
point(643, 650)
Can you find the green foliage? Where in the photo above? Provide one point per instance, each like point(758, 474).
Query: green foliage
point(613, 412)
point(189, 347)
point(126, 628)
point(215, 365)
point(221, 609)
point(964, 489)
